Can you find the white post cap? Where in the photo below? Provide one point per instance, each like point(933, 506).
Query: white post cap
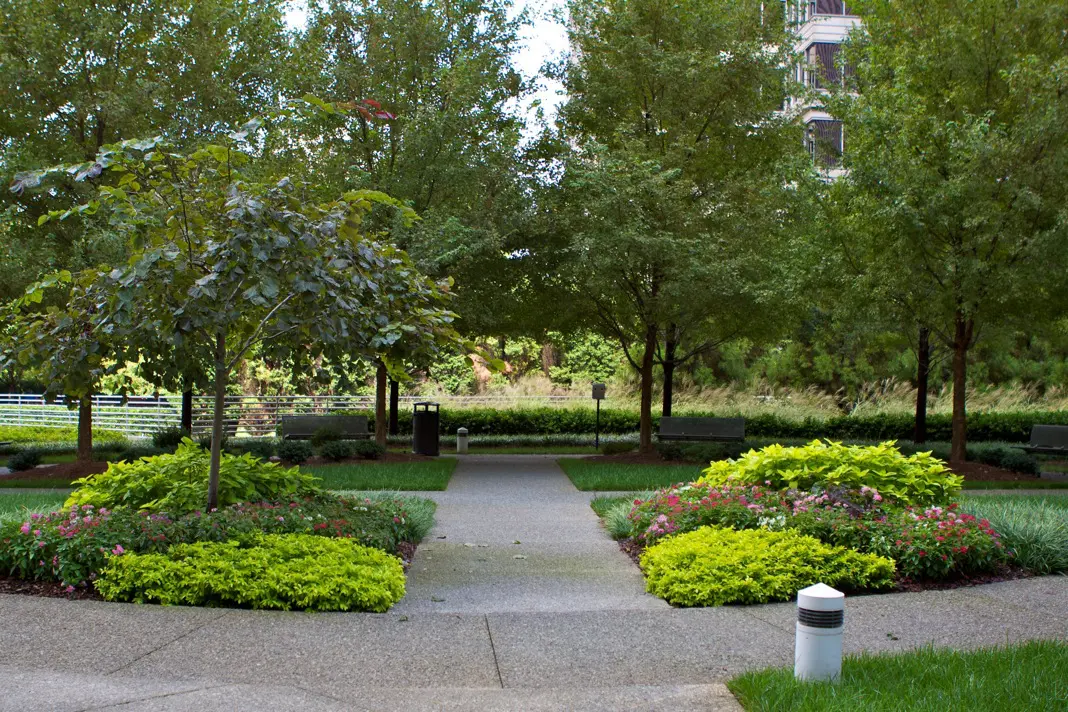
point(821, 597)
point(461, 431)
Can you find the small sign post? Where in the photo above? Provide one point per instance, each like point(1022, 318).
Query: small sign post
point(598, 395)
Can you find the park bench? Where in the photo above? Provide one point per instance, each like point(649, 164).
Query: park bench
point(719, 429)
point(1047, 440)
point(302, 427)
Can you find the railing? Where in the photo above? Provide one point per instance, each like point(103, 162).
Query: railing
point(251, 416)
point(801, 11)
point(137, 416)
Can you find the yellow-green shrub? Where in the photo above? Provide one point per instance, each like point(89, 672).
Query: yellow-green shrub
point(279, 571)
point(713, 566)
point(920, 479)
point(178, 483)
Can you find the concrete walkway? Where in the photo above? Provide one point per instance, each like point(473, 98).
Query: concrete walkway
point(566, 628)
point(514, 535)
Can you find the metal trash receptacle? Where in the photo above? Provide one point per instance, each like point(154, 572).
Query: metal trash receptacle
point(426, 438)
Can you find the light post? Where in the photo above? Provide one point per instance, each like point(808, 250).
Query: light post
point(598, 395)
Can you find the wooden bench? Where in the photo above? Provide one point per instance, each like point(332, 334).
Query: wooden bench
point(720, 429)
point(302, 427)
point(1047, 440)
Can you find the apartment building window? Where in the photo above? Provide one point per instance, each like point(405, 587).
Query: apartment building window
point(826, 142)
point(822, 58)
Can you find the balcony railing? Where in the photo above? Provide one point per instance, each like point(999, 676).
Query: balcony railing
point(801, 11)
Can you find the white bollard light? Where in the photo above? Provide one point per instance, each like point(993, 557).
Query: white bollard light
point(461, 441)
point(820, 621)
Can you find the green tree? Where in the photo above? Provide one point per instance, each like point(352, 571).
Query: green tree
point(675, 192)
point(78, 74)
point(221, 264)
point(450, 147)
point(958, 164)
point(56, 331)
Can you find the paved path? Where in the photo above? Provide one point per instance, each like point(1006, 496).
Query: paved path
point(567, 628)
point(513, 534)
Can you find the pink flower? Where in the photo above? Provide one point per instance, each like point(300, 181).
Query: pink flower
point(25, 529)
point(118, 550)
point(69, 589)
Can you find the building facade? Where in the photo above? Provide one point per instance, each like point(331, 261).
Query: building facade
point(819, 28)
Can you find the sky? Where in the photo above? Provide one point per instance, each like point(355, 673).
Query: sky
point(542, 40)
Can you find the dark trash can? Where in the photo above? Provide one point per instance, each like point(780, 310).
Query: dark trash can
point(426, 439)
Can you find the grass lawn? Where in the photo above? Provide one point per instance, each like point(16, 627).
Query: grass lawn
point(607, 476)
point(39, 483)
point(429, 475)
point(1015, 484)
point(18, 505)
point(1032, 676)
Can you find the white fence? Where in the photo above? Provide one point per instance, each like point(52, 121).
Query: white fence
point(138, 416)
point(245, 416)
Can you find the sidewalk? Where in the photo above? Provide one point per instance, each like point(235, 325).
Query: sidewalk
point(566, 628)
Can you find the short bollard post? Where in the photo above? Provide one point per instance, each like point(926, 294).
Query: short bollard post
point(461, 441)
point(820, 621)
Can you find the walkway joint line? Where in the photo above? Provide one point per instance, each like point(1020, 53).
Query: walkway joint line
point(493, 649)
point(192, 630)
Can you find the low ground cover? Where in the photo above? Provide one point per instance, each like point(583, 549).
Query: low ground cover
point(422, 475)
point(19, 505)
point(602, 476)
point(1030, 676)
point(1034, 528)
point(263, 571)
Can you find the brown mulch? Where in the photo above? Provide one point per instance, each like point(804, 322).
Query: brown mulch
point(47, 589)
point(985, 473)
point(65, 470)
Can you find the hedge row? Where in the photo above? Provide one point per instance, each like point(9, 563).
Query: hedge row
point(1001, 426)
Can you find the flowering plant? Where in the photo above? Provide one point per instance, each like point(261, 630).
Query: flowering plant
point(72, 545)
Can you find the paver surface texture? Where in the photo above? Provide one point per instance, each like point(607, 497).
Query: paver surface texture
point(568, 627)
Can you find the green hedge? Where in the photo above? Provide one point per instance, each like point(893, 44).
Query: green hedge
point(1004, 426)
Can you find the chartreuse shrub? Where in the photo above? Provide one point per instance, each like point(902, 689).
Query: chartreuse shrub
point(72, 546)
point(178, 483)
point(919, 479)
point(713, 566)
point(277, 571)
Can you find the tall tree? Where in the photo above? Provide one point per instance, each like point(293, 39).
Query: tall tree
point(451, 149)
point(957, 154)
point(675, 191)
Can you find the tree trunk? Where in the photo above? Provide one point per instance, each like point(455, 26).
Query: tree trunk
point(961, 341)
point(85, 429)
point(923, 371)
point(380, 404)
point(217, 421)
point(646, 426)
point(548, 359)
point(670, 348)
point(187, 409)
point(394, 406)
point(501, 343)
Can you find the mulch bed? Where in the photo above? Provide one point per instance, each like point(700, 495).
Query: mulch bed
point(46, 589)
point(62, 471)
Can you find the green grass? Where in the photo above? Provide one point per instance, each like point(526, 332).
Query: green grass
point(1032, 676)
point(592, 476)
point(18, 505)
point(1014, 484)
point(38, 483)
point(427, 476)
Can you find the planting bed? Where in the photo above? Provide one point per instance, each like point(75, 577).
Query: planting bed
point(870, 500)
